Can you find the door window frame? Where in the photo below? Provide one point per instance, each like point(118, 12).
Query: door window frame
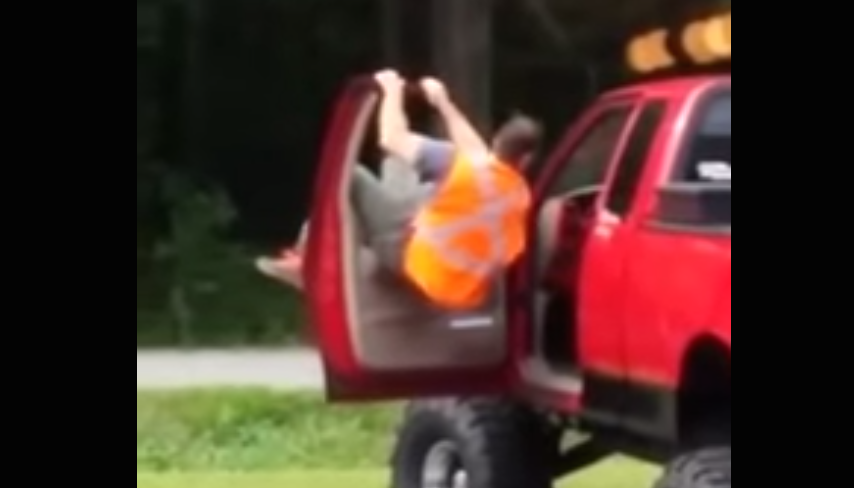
point(635, 155)
point(557, 161)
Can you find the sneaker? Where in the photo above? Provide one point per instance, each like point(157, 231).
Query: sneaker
point(286, 269)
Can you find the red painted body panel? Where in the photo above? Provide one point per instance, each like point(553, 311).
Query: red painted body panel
point(674, 287)
point(637, 310)
point(324, 273)
point(645, 295)
point(519, 278)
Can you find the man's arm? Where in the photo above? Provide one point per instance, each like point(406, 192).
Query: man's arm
point(395, 136)
point(464, 136)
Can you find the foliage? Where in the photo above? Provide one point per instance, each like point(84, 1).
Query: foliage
point(195, 286)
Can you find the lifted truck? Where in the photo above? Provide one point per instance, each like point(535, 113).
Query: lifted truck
point(614, 333)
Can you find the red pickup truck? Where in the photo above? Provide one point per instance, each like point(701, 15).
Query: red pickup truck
point(614, 329)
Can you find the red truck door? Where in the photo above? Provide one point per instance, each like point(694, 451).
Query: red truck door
point(568, 188)
point(378, 339)
point(641, 279)
point(603, 293)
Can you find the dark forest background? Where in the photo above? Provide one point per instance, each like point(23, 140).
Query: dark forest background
point(232, 97)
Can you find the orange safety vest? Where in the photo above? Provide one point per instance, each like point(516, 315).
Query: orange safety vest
point(472, 228)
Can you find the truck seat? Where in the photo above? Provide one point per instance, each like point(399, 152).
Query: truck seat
point(548, 235)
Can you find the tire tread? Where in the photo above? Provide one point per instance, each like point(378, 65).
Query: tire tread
point(501, 439)
point(704, 468)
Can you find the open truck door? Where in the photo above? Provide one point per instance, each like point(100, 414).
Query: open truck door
point(379, 339)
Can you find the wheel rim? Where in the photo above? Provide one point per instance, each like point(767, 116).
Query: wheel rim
point(443, 468)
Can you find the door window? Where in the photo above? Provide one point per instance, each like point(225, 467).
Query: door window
point(708, 153)
point(588, 163)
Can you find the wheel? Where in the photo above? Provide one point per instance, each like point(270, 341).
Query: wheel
point(705, 468)
point(472, 444)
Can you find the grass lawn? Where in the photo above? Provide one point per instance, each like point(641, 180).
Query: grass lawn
point(262, 439)
point(617, 474)
point(250, 430)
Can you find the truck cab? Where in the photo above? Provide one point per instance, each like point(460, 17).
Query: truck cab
point(617, 320)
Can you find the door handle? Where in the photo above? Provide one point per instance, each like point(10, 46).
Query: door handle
point(603, 230)
point(607, 223)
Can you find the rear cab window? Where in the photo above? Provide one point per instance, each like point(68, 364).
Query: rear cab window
point(708, 151)
point(698, 197)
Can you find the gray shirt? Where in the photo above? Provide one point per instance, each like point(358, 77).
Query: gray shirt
point(434, 158)
point(391, 222)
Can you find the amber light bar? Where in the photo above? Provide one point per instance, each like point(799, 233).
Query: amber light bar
point(705, 41)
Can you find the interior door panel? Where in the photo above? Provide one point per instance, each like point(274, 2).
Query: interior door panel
point(379, 337)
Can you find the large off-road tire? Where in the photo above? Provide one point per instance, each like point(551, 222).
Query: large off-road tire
point(704, 468)
point(472, 444)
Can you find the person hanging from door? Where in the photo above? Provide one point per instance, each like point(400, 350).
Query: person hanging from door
point(462, 230)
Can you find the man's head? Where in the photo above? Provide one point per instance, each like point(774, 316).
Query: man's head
point(517, 140)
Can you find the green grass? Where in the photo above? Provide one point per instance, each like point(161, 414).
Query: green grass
point(263, 439)
point(318, 479)
point(257, 429)
point(614, 474)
